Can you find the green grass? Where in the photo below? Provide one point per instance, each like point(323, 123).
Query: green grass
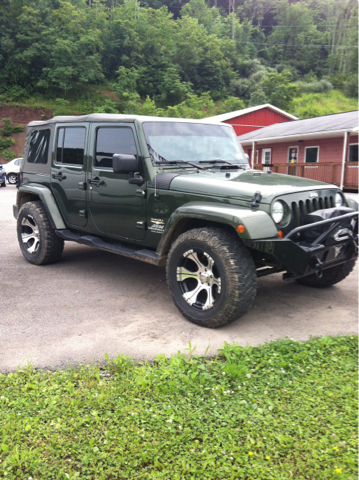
point(283, 410)
point(80, 105)
point(316, 104)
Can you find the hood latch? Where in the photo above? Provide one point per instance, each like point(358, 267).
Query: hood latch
point(257, 197)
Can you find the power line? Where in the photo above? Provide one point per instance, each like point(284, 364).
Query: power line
point(298, 44)
point(297, 26)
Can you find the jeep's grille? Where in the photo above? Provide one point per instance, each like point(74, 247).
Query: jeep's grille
point(303, 207)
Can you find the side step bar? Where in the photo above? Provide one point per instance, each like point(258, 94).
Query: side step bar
point(148, 256)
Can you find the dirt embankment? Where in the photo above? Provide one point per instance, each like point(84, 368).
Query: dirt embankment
point(21, 115)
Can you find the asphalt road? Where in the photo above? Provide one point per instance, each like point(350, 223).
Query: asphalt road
point(93, 302)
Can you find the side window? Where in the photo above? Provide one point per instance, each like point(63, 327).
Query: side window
point(110, 140)
point(353, 153)
point(311, 154)
point(70, 145)
point(39, 146)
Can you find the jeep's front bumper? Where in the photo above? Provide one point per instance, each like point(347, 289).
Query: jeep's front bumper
point(334, 246)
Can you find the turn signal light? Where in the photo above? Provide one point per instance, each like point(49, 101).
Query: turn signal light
point(280, 234)
point(241, 228)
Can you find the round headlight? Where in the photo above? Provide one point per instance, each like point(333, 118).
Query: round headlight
point(338, 200)
point(277, 211)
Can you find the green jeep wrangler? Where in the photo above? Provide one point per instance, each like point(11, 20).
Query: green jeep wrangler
point(179, 193)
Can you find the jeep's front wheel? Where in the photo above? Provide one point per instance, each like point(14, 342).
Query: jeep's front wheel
point(211, 276)
point(38, 241)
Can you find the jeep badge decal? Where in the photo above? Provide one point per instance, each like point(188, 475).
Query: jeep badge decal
point(313, 195)
point(157, 225)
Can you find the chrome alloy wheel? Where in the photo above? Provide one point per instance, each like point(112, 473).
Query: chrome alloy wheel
point(30, 234)
point(199, 279)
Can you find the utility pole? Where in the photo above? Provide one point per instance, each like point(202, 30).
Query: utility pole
point(231, 6)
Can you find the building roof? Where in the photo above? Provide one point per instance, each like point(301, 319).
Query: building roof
point(228, 116)
point(318, 126)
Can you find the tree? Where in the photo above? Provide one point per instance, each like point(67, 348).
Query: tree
point(278, 89)
point(74, 46)
point(296, 39)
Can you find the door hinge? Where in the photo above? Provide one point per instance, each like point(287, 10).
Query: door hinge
point(141, 225)
point(83, 213)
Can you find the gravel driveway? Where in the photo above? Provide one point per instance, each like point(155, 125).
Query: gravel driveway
point(93, 302)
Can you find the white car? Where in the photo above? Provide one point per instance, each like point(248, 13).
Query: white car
point(12, 169)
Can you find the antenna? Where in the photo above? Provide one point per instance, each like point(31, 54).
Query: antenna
point(154, 146)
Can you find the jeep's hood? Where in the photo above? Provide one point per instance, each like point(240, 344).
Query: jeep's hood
point(243, 184)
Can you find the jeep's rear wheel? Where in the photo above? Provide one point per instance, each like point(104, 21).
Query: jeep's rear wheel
point(38, 241)
point(330, 277)
point(211, 276)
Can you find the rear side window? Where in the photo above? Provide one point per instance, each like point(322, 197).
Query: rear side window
point(110, 140)
point(70, 145)
point(39, 146)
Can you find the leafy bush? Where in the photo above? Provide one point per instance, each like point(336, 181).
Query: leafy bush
point(108, 107)
point(351, 86)
point(314, 87)
point(279, 90)
point(5, 139)
point(62, 102)
point(8, 130)
point(16, 93)
point(7, 154)
point(6, 142)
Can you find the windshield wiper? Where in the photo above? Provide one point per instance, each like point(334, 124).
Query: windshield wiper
point(235, 165)
point(178, 162)
point(215, 161)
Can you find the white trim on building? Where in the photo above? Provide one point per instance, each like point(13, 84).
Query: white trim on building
point(227, 116)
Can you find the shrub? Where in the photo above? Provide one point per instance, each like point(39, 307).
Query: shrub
point(316, 104)
point(7, 154)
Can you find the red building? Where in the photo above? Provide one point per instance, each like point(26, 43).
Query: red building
point(254, 118)
point(323, 148)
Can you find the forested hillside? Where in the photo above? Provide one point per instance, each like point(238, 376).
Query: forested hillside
point(171, 57)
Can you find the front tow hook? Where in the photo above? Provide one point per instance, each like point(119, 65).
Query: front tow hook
point(318, 268)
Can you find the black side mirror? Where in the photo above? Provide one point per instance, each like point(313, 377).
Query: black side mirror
point(128, 164)
point(125, 163)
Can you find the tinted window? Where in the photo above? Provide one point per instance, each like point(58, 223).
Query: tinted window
point(110, 140)
point(39, 146)
point(70, 145)
point(311, 155)
point(353, 153)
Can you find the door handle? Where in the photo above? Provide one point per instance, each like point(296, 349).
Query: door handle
point(95, 181)
point(59, 176)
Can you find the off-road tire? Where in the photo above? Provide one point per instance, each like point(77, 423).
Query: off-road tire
point(330, 277)
point(12, 178)
point(236, 271)
point(49, 246)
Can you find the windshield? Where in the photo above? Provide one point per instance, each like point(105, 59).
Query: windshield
point(192, 142)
